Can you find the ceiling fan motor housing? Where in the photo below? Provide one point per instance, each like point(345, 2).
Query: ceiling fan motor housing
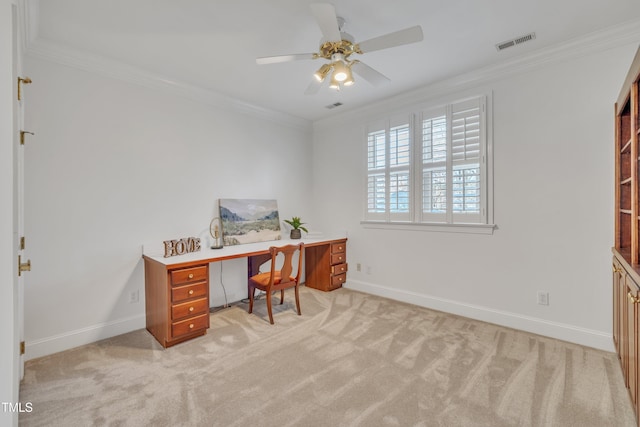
point(345, 47)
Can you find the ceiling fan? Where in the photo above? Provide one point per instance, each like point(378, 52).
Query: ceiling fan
point(337, 47)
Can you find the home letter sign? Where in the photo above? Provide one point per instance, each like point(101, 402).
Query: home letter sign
point(182, 246)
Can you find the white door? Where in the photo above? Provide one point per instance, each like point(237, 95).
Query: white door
point(19, 239)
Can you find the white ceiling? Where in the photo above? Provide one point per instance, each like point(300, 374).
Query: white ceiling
point(213, 44)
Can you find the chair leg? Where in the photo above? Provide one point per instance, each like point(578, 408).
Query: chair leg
point(269, 307)
point(252, 291)
point(298, 301)
point(281, 296)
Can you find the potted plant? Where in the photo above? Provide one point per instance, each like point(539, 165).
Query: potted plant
point(296, 224)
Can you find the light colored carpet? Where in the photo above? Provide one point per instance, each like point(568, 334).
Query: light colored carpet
point(351, 359)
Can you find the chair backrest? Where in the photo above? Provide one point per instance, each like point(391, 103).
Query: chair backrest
point(287, 267)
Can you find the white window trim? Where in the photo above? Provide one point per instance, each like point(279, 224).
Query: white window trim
point(488, 187)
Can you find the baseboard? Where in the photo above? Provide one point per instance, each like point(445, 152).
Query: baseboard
point(561, 331)
point(71, 339)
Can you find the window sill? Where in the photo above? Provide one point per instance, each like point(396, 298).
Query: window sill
point(432, 226)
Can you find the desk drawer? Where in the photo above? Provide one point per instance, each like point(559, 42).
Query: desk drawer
point(338, 280)
point(186, 292)
point(190, 325)
point(187, 275)
point(190, 308)
point(339, 269)
point(338, 258)
point(338, 247)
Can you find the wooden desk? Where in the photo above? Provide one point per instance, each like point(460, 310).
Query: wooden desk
point(177, 288)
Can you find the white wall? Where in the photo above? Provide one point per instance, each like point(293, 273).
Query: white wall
point(553, 170)
point(114, 165)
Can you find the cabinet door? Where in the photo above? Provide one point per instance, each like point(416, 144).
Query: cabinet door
point(632, 338)
point(618, 282)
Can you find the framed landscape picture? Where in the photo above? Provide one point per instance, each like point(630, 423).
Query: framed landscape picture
point(249, 220)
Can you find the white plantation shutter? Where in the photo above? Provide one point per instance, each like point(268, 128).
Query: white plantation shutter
point(376, 179)
point(388, 170)
point(441, 178)
point(466, 132)
point(434, 165)
point(399, 168)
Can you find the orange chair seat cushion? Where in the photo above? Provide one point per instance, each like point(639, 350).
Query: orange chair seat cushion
point(262, 279)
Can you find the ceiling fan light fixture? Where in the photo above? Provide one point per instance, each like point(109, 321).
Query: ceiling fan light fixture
point(349, 80)
point(334, 84)
point(340, 71)
point(322, 72)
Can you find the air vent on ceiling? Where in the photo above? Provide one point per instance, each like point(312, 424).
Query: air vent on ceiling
point(334, 105)
point(518, 40)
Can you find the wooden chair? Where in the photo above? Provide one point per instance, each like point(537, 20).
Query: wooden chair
point(278, 280)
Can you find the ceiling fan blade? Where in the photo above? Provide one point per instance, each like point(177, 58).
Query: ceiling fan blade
point(369, 74)
point(398, 38)
point(327, 19)
point(285, 58)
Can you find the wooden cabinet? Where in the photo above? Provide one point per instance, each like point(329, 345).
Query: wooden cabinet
point(626, 260)
point(177, 302)
point(627, 204)
point(326, 266)
point(626, 324)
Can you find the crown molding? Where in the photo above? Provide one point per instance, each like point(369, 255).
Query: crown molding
point(620, 35)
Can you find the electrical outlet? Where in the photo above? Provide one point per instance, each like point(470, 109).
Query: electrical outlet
point(543, 298)
point(134, 297)
point(358, 267)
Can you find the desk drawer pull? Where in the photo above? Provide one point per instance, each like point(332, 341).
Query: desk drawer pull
point(191, 309)
point(191, 325)
point(190, 275)
point(190, 291)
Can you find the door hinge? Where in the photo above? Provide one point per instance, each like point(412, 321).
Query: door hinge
point(21, 81)
point(22, 348)
point(23, 266)
point(22, 133)
point(22, 243)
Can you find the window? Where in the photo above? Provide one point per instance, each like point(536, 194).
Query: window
point(430, 166)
